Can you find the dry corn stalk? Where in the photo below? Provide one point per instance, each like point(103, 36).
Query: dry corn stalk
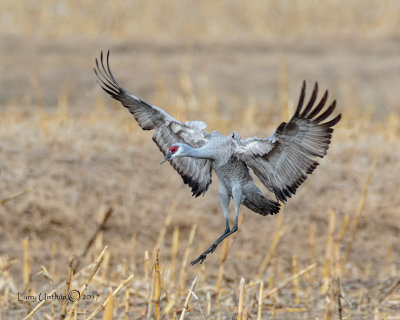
point(189, 295)
point(295, 281)
point(111, 296)
point(185, 259)
point(260, 299)
point(338, 299)
point(27, 266)
point(241, 299)
point(146, 266)
point(96, 267)
point(330, 300)
point(174, 253)
point(284, 283)
point(67, 287)
point(157, 285)
point(5, 200)
point(164, 228)
point(272, 249)
point(109, 310)
point(328, 253)
point(169, 306)
point(100, 227)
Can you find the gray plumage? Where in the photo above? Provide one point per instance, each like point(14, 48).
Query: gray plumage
point(281, 162)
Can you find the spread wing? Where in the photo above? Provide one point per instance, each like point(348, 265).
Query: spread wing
point(195, 172)
point(283, 160)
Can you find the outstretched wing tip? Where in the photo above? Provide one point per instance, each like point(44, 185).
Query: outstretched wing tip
point(301, 98)
point(297, 144)
point(105, 77)
point(332, 122)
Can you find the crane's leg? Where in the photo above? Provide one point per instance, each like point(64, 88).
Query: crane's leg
point(237, 201)
point(224, 199)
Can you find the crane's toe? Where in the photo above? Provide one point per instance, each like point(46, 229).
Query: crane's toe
point(212, 248)
point(203, 256)
point(200, 259)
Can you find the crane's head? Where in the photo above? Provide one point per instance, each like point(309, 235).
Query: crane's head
point(173, 151)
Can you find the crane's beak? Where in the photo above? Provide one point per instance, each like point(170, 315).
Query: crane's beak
point(167, 157)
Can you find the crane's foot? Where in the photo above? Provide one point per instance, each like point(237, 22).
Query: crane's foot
point(212, 248)
point(203, 256)
point(200, 259)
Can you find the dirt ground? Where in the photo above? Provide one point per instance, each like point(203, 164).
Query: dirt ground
point(86, 154)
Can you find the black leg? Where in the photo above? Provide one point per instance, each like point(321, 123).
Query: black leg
point(211, 249)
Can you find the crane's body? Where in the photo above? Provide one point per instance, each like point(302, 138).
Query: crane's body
point(233, 174)
point(281, 161)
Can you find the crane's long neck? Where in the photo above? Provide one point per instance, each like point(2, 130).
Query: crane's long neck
point(201, 153)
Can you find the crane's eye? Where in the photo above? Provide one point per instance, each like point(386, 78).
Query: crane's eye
point(173, 149)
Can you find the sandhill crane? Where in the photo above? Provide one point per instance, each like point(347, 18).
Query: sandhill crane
point(281, 161)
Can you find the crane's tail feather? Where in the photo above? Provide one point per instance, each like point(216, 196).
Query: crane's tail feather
point(260, 204)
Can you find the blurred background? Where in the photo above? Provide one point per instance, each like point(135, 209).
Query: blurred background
point(75, 166)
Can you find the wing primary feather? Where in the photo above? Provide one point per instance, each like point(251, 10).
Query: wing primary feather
point(113, 89)
point(311, 102)
point(320, 105)
point(109, 69)
point(332, 122)
point(104, 78)
point(327, 113)
point(301, 99)
point(102, 65)
point(109, 92)
point(102, 82)
point(98, 80)
point(287, 193)
point(98, 72)
point(112, 94)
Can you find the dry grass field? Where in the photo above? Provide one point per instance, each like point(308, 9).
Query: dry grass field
point(84, 204)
